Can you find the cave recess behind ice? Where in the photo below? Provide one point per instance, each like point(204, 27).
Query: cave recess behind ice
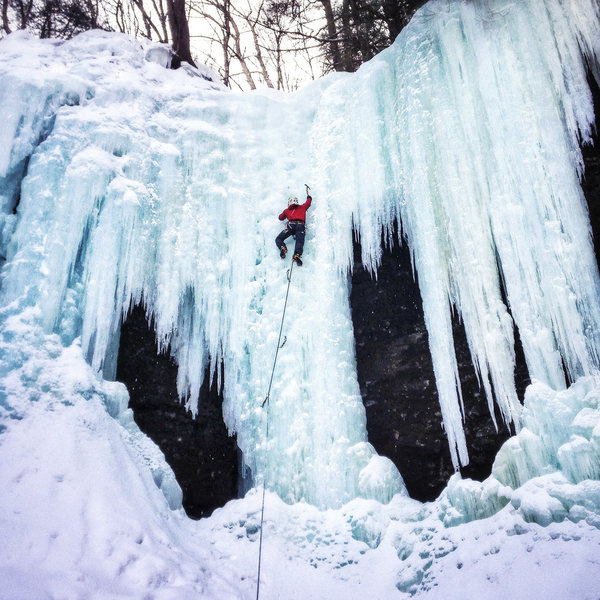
point(202, 455)
point(397, 383)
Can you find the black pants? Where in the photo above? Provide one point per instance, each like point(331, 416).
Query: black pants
point(298, 231)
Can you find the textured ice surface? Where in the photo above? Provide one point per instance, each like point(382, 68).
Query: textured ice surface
point(138, 184)
point(550, 470)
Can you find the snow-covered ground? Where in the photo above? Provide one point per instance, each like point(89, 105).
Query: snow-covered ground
point(81, 516)
point(123, 182)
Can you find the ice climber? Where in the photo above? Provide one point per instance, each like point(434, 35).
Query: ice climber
point(296, 226)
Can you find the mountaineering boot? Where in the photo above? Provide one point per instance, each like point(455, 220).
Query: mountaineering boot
point(283, 252)
point(297, 259)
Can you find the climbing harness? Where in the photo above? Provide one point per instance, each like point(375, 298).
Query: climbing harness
point(280, 345)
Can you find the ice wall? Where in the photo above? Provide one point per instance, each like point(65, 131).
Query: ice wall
point(138, 184)
point(467, 130)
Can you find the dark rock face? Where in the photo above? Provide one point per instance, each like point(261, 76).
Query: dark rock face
point(591, 179)
point(397, 383)
point(200, 452)
point(395, 376)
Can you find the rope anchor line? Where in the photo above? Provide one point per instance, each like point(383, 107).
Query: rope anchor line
point(280, 345)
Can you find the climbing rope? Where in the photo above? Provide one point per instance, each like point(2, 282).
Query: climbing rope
point(266, 401)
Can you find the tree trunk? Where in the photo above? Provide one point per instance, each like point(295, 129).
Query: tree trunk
point(147, 20)
point(225, 9)
point(361, 34)
point(332, 40)
point(5, 24)
point(159, 9)
point(398, 13)
point(346, 37)
point(395, 15)
point(180, 32)
point(240, 55)
point(24, 10)
point(259, 56)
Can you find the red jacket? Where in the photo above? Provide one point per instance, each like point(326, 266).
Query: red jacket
point(297, 212)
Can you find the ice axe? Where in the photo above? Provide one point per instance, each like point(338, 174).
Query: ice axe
point(307, 188)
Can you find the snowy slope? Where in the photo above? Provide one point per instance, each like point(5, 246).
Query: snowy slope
point(123, 182)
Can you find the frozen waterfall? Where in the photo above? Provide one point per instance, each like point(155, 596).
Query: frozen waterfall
point(139, 185)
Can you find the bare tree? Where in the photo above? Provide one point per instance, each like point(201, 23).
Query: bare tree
point(240, 54)
point(251, 18)
point(359, 29)
point(180, 32)
point(165, 21)
point(5, 23)
point(152, 29)
point(230, 29)
point(332, 35)
point(260, 42)
point(51, 18)
point(287, 41)
point(215, 15)
point(24, 12)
